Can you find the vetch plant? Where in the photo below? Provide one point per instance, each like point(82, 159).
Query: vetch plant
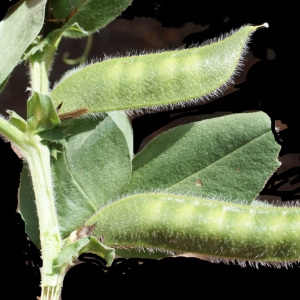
point(192, 188)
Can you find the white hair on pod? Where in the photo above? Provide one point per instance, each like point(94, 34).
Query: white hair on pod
point(157, 108)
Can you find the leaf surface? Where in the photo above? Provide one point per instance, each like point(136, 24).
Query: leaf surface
point(18, 30)
point(83, 245)
point(28, 207)
point(229, 157)
point(90, 15)
point(93, 169)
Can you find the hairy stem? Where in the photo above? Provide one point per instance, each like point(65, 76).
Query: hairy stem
point(39, 76)
point(38, 158)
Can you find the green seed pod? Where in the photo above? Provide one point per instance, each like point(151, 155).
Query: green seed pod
point(221, 231)
point(154, 80)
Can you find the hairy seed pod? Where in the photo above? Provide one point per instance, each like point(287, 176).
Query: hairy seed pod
point(221, 230)
point(156, 79)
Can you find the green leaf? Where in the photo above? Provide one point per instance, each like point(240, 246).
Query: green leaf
point(93, 169)
point(86, 244)
point(61, 9)
point(100, 249)
point(28, 207)
point(17, 120)
point(90, 15)
point(215, 229)
point(122, 120)
point(154, 79)
point(18, 30)
point(41, 114)
point(229, 157)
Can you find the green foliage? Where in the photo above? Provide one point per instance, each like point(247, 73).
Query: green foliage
point(41, 114)
point(86, 14)
point(18, 30)
point(83, 245)
point(193, 188)
point(209, 158)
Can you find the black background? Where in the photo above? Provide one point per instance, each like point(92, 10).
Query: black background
point(268, 85)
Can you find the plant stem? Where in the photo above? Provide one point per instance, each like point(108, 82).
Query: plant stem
point(40, 65)
point(39, 76)
point(13, 134)
point(38, 158)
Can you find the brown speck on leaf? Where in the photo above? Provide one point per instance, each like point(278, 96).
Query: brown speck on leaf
point(198, 182)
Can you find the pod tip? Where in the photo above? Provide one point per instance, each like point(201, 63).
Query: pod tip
point(266, 25)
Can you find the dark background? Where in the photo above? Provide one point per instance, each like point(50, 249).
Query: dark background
point(267, 83)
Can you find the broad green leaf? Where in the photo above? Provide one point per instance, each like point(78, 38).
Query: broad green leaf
point(90, 15)
point(153, 79)
point(229, 158)
point(61, 9)
point(18, 30)
point(214, 229)
point(93, 169)
point(122, 120)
